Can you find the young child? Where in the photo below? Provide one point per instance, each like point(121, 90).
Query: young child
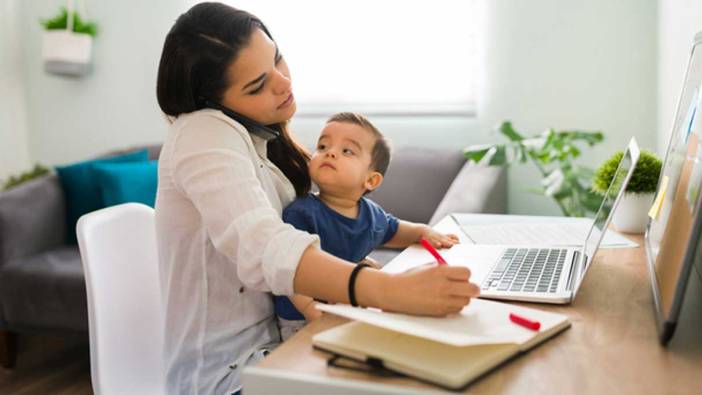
point(350, 160)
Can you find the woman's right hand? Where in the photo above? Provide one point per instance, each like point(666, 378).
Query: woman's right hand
point(426, 290)
point(432, 289)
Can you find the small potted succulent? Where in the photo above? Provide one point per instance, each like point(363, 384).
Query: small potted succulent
point(67, 43)
point(631, 215)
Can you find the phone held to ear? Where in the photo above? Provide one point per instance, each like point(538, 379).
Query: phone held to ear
point(252, 126)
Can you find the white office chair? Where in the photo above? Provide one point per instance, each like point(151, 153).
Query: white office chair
point(120, 262)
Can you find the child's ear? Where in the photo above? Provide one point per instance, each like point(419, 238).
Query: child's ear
point(373, 181)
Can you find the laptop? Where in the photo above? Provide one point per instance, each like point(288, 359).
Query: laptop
point(537, 273)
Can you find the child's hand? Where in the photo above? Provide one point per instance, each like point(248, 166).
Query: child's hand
point(310, 312)
point(372, 262)
point(439, 240)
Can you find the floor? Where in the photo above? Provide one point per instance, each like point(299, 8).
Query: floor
point(48, 365)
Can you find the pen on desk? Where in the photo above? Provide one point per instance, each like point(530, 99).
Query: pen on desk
point(525, 322)
point(433, 251)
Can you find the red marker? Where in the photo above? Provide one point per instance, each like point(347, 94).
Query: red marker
point(433, 251)
point(527, 323)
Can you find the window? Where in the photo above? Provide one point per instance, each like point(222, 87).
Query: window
point(377, 57)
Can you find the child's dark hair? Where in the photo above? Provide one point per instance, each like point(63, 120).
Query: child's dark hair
point(197, 51)
point(380, 156)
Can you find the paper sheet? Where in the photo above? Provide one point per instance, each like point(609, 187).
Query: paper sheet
point(552, 234)
point(481, 322)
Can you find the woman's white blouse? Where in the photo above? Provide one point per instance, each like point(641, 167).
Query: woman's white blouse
point(222, 249)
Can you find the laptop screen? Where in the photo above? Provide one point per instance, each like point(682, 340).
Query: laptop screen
point(602, 218)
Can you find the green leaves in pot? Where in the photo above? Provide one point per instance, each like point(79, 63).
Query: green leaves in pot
point(60, 22)
point(644, 179)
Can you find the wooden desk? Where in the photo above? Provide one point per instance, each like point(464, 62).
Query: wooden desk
point(611, 348)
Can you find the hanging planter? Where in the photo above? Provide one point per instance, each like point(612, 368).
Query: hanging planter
point(67, 43)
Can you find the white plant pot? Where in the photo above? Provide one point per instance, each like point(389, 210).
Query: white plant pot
point(67, 53)
point(631, 215)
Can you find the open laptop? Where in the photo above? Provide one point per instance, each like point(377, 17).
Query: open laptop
point(536, 273)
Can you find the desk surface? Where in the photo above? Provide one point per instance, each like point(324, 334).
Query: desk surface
point(612, 346)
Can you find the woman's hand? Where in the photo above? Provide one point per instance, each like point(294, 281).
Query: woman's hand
point(432, 289)
point(439, 240)
point(427, 290)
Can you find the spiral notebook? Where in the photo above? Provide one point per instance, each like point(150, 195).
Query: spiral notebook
point(450, 352)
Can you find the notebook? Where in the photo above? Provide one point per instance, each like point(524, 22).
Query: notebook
point(450, 352)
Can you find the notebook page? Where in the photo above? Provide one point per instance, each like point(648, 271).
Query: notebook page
point(481, 322)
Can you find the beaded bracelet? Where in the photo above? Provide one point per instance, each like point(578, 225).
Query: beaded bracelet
point(352, 283)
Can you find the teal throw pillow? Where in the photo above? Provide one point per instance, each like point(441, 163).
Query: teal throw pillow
point(128, 182)
point(81, 188)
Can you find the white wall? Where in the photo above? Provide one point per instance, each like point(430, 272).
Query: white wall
point(553, 63)
point(14, 153)
point(547, 63)
point(678, 21)
point(572, 64)
point(115, 106)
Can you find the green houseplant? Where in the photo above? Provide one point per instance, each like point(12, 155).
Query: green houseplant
point(67, 43)
point(631, 214)
point(60, 22)
point(553, 152)
point(13, 181)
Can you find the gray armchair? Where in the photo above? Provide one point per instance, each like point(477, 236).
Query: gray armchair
point(41, 280)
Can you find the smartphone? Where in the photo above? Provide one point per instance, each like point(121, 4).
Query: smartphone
point(254, 127)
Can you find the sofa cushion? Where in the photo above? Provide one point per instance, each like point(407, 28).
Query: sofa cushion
point(154, 151)
point(46, 290)
point(128, 182)
point(32, 218)
point(476, 189)
point(416, 181)
point(82, 190)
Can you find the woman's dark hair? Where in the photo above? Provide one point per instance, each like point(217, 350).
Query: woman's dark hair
point(197, 52)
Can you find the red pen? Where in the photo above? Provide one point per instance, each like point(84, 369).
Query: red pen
point(525, 322)
point(433, 251)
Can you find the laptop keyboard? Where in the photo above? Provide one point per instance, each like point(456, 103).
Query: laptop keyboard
point(527, 270)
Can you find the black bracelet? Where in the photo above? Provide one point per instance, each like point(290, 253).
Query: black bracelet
point(352, 283)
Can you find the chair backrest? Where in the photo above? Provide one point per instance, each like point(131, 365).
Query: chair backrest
point(119, 254)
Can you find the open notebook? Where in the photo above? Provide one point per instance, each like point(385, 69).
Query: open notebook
point(450, 352)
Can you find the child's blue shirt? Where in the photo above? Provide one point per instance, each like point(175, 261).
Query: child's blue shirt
point(347, 238)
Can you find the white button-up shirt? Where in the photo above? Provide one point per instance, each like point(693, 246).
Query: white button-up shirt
point(222, 249)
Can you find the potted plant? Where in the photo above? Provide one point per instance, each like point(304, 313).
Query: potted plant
point(553, 152)
point(67, 43)
point(631, 214)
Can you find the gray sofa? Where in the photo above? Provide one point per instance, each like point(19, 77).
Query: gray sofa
point(41, 280)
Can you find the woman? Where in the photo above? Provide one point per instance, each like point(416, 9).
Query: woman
point(223, 247)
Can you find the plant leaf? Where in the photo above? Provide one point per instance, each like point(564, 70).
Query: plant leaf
point(498, 156)
point(507, 130)
point(477, 152)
